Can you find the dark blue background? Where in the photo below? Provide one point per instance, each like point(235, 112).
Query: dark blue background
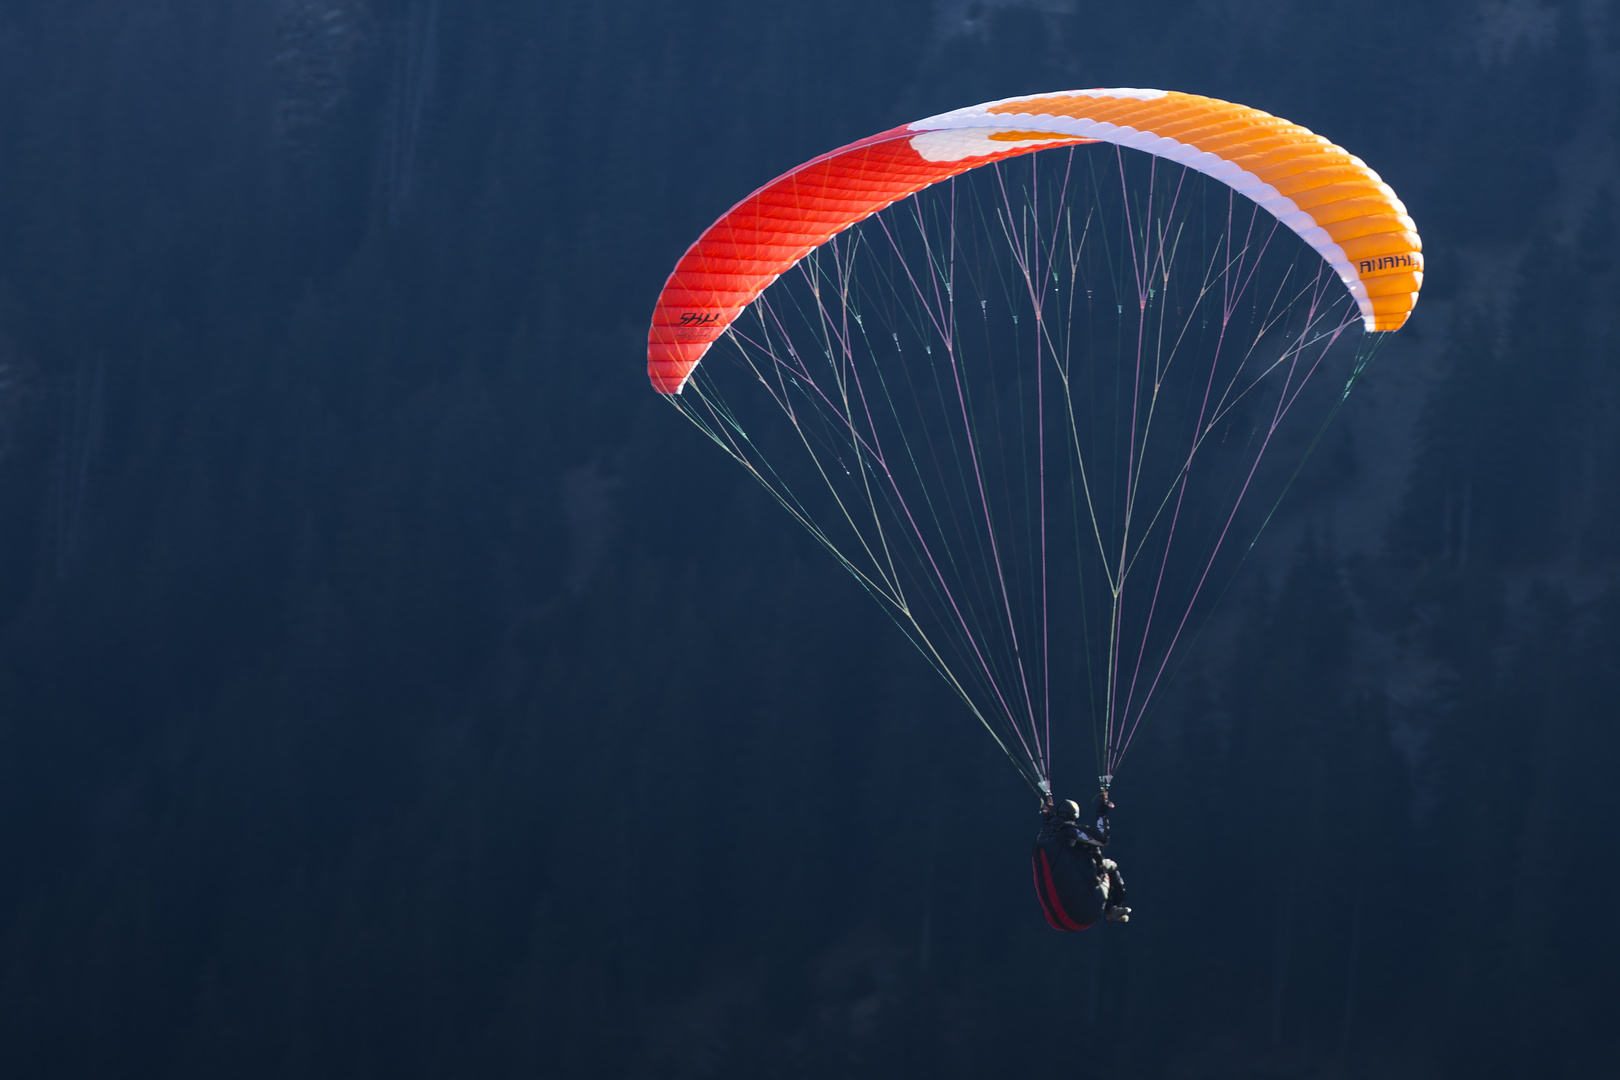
point(391, 685)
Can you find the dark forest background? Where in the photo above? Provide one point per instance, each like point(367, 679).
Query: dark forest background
point(391, 685)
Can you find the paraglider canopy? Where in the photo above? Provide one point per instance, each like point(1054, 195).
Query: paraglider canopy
point(1040, 408)
point(1329, 197)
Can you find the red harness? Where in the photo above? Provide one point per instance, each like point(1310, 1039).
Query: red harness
point(1046, 889)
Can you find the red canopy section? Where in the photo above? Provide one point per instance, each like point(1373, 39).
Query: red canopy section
point(765, 234)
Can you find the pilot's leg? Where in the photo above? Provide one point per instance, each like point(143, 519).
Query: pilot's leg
point(1117, 911)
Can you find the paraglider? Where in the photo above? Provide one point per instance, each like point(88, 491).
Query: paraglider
point(1076, 886)
point(1037, 372)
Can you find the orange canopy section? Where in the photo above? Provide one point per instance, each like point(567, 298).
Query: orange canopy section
point(1329, 197)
